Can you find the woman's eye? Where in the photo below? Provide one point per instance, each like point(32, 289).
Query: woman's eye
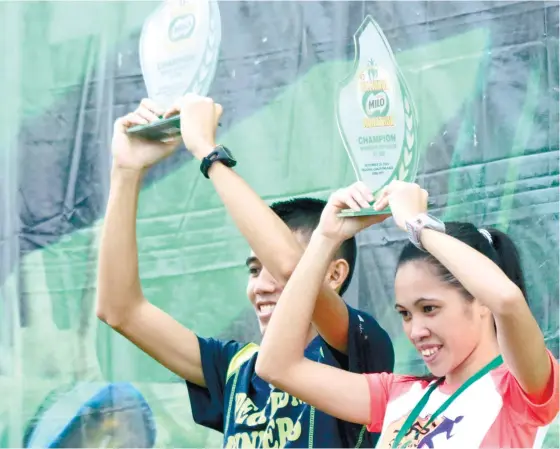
point(404, 314)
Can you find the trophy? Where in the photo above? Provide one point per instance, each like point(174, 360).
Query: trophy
point(376, 116)
point(178, 50)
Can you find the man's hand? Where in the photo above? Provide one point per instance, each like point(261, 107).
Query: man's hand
point(199, 120)
point(405, 199)
point(134, 153)
point(355, 197)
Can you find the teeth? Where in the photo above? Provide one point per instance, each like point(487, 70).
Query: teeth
point(268, 308)
point(429, 352)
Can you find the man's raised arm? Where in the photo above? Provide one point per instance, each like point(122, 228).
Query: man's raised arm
point(269, 237)
point(120, 302)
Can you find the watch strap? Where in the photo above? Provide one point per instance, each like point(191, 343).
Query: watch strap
point(221, 154)
point(415, 226)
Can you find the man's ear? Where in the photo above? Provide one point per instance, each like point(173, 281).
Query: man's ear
point(337, 273)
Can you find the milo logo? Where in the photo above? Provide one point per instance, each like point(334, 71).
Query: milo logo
point(181, 27)
point(375, 103)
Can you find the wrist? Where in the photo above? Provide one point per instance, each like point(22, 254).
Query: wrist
point(216, 167)
point(200, 151)
point(327, 242)
point(417, 226)
point(426, 237)
point(219, 153)
point(121, 174)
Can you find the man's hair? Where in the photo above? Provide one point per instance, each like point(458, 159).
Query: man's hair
point(303, 215)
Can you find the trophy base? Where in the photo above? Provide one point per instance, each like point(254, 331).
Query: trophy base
point(162, 129)
point(363, 212)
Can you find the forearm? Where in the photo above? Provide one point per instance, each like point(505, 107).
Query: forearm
point(269, 237)
point(281, 349)
point(481, 277)
point(118, 278)
point(277, 249)
point(519, 336)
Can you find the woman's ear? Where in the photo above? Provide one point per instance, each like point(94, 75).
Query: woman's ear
point(337, 273)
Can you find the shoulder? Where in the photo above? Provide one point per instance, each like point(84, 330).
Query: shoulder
point(365, 323)
point(542, 409)
point(222, 352)
point(211, 344)
point(243, 358)
point(359, 315)
point(367, 340)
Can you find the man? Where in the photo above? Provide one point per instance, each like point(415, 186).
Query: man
point(224, 391)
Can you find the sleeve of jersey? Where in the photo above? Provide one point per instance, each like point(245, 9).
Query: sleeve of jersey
point(370, 349)
point(538, 413)
point(207, 404)
point(379, 387)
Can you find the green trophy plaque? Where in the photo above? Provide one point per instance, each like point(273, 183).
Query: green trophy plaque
point(178, 49)
point(376, 117)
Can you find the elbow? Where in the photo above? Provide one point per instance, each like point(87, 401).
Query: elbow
point(101, 311)
point(268, 370)
point(263, 368)
point(282, 266)
point(101, 314)
point(115, 308)
point(286, 269)
point(509, 301)
point(280, 375)
point(109, 315)
point(286, 264)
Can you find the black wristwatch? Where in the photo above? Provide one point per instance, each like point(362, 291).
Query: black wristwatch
point(221, 154)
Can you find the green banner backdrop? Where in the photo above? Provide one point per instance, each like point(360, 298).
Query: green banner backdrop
point(483, 77)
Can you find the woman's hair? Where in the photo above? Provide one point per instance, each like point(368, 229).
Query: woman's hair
point(494, 244)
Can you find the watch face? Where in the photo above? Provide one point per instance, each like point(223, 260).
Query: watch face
point(228, 153)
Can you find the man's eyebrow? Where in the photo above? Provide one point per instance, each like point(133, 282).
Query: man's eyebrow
point(251, 260)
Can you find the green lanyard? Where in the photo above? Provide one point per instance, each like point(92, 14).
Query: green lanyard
point(421, 404)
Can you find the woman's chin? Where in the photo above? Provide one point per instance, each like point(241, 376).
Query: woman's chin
point(439, 367)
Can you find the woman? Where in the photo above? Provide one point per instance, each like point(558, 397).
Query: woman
point(462, 300)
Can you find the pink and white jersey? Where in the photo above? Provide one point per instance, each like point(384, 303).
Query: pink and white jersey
point(493, 412)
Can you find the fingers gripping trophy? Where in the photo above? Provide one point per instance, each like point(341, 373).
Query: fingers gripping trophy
point(178, 49)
